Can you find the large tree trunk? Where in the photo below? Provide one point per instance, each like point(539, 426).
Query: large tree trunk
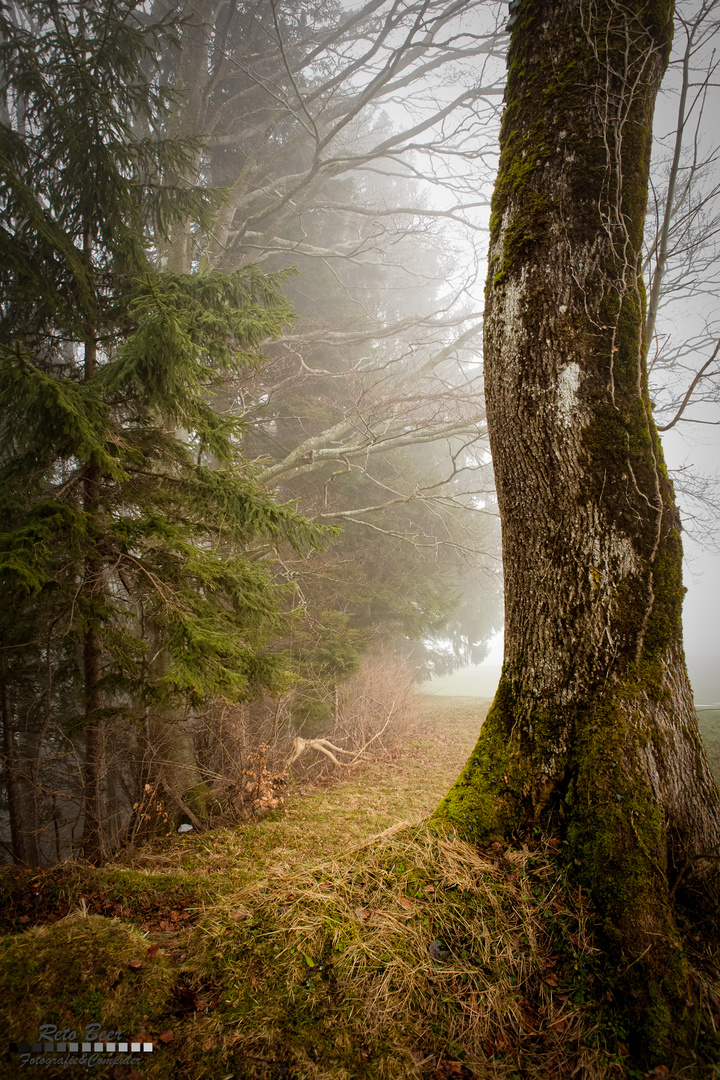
point(593, 728)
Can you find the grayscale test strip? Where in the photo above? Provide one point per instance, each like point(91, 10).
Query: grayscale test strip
point(82, 1048)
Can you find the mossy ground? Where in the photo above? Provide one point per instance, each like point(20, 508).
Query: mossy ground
point(331, 942)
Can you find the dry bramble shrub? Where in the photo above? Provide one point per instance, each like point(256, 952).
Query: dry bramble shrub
point(371, 713)
point(150, 814)
point(244, 751)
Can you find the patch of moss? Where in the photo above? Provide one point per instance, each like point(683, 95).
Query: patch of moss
point(46, 895)
point(77, 972)
point(198, 799)
point(481, 804)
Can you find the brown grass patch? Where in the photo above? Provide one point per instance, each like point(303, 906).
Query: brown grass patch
point(414, 954)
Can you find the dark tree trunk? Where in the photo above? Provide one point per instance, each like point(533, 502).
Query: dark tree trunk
point(93, 846)
point(593, 727)
point(17, 835)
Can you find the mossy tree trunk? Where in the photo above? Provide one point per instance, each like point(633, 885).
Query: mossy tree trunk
point(593, 729)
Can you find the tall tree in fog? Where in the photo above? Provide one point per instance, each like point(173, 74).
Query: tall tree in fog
point(592, 732)
point(289, 100)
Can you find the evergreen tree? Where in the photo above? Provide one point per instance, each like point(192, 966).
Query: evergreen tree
point(115, 529)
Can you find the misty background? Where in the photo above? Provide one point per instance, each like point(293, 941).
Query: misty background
point(349, 154)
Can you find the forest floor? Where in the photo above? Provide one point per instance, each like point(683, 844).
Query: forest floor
point(337, 939)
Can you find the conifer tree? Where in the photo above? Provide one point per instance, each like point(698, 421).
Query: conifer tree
point(113, 525)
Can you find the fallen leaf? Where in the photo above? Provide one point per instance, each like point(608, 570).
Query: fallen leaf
point(530, 1016)
point(417, 1055)
point(429, 888)
point(407, 904)
point(551, 979)
point(240, 913)
point(362, 913)
point(210, 1044)
point(153, 949)
point(135, 964)
point(166, 1036)
point(451, 1069)
point(437, 950)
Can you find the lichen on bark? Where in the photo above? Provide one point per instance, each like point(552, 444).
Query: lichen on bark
point(592, 731)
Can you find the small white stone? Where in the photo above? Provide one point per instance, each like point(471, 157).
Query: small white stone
point(185, 828)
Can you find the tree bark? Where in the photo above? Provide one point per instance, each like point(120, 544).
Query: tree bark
point(17, 835)
point(593, 729)
point(93, 845)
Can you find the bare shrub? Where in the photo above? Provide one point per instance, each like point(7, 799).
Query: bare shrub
point(244, 751)
point(370, 715)
point(241, 751)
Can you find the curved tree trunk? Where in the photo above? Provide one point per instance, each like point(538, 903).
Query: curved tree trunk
point(593, 728)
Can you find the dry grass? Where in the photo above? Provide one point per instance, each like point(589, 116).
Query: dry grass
point(347, 939)
point(414, 953)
